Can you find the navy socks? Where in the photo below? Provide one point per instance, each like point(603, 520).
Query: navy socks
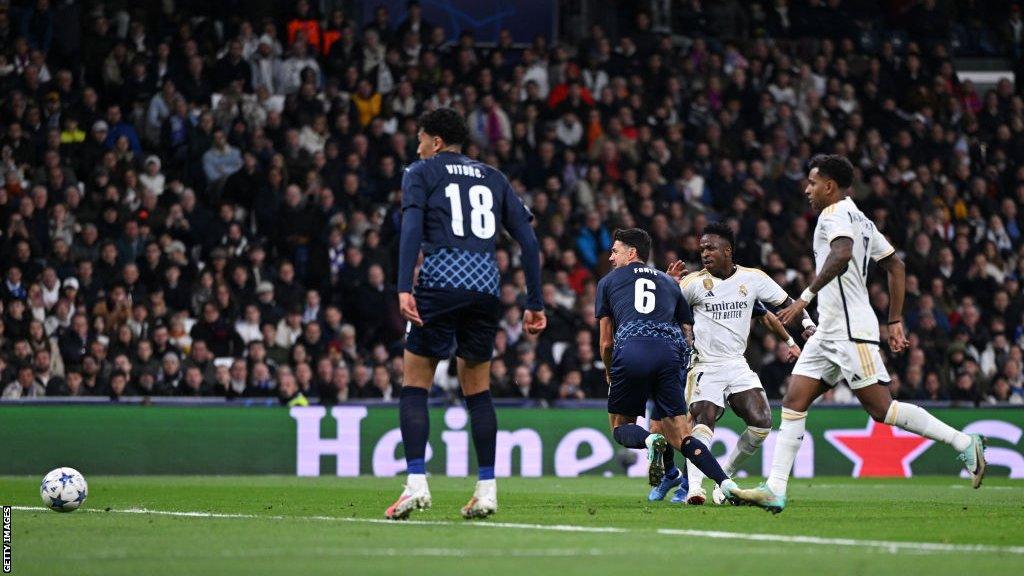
point(631, 436)
point(414, 420)
point(695, 451)
point(485, 431)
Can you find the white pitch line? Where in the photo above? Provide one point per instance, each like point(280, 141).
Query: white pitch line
point(888, 545)
point(892, 546)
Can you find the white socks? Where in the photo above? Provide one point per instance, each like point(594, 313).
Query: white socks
point(695, 476)
point(749, 442)
point(791, 436)
point(917, 420)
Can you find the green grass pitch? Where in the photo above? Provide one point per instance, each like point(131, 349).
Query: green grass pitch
point(589, 525)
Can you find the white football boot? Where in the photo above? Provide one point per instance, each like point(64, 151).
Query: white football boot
point(484, 501)
point(416, 496)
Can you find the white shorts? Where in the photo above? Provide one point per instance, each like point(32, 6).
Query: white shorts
point(830, 361)
point(716, 382)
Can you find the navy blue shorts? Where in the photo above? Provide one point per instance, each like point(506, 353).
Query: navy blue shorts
point(645, 368)
point(463, 320)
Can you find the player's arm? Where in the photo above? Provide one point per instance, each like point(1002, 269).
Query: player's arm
point(518, 221)
point(893, 266)
point(414, 197)
point(607, 343)
point(771, 321)
point(840, 253)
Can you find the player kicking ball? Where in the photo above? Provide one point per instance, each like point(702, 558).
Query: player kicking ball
point(846, 344)
point(724, 298)
point(640, 311)
point(452, 207)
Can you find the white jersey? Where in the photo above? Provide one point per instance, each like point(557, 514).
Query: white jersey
point(722, 310)
point(844, 310)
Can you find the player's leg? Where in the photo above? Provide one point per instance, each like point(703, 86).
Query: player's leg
point(414, 422)
point(669, 395)
point(703, 415)
point(425, 346)
point(817, 362)
point(474, 335)
point(673, 476)
point(880, 405)
point(752, 407)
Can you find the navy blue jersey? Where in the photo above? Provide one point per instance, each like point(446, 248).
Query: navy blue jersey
point(643, 302)
point(461, 205)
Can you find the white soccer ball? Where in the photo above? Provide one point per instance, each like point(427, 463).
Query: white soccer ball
point(63, 489)
point(718, 497)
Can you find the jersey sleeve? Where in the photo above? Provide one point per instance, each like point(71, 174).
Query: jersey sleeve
point(769, 291)
point(880, 246)
point(688, 286)
point(414, 201)
point(835, 224)
point(602, 308)
point(683, 313)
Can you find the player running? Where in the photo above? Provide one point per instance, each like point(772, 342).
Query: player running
point(640, 311)
point(845, 345)
point(452, 207)
point(674, 477)
point(724, 298)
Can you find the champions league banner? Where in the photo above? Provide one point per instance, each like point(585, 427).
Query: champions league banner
point(365, 441)
point(524, 19)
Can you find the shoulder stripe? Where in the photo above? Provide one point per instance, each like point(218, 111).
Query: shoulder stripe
point(748, 269)
point(689, 278)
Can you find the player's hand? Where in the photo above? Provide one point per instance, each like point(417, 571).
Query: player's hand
point(677, 270)
point(535, 321)
point(794, 353)
point(897, 339)
point(407, 305)
point(808, 332)
point(790, 313)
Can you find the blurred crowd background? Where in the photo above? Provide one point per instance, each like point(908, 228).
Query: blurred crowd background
point(203, 199)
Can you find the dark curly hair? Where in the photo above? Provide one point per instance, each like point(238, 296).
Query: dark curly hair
point(833, 167)
point(446, 124)
point(723, 231)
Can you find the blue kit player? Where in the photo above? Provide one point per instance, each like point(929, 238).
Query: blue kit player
point(452, 209)
point(641, 310)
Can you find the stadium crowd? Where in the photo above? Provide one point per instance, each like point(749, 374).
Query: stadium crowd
point(204, 201)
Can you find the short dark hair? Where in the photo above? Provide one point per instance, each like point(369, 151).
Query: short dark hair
point(723, 231)
point(446, 124)
point(637, 239)
point(834, 167)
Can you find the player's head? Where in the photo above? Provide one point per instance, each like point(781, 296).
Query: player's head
point(440, 129)
point(828, 176)
point(716, 246)
point(631, 244)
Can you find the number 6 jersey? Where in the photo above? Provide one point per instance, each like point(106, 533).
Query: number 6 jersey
point(844, 310)
point(643, 302)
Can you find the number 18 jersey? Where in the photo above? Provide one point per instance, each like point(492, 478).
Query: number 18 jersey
point(844, 308)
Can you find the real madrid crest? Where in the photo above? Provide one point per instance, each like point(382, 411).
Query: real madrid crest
point(743, 289)
point(709, 283)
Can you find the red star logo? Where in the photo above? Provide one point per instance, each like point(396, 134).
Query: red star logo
point(879, 449)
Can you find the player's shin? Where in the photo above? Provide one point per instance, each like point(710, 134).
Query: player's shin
point(698, 453)
point(484, 423)
point(749, 443)
point(917, 420)
point(630, 435)
point(704, 435)
point(415, 425)
point(791, 436)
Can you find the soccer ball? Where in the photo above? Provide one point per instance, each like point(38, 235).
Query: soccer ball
point(63, 489)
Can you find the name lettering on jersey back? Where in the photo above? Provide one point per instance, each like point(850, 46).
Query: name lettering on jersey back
point(726, 310)
point(463, 170)
point(644, 271)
